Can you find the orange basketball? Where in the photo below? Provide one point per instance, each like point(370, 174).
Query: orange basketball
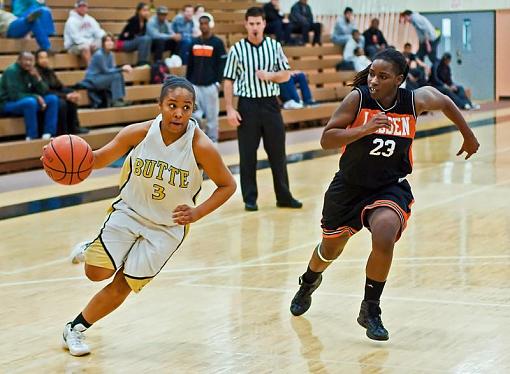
point(68, 159)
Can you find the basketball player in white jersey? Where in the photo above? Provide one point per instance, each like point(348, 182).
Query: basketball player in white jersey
point(147, 223)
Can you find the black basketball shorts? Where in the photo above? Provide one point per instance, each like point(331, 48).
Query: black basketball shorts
point(346, 206)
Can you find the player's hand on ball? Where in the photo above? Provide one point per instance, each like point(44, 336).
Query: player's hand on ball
point(470, 146)
point(184, 214)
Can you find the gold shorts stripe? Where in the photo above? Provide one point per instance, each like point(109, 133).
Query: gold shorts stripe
point(136, 284)
point(97, 255)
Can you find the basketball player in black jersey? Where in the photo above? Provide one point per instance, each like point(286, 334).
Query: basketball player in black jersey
point(375, 125)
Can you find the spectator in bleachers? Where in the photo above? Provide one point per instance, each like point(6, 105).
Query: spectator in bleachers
point(205, 71)
point(163, 36)
point(68, 121)
point(183, 24)
point(374, 39)
point(301, 19)
point(427, 36)
point(276, 23)
point(23, 8)
point(19, 27)
point(82, 33)
point(343, 28)
point(23, 92)
point(359, 60)
point(418, 70)
point(104, 75)
point(289, 93)
point(356, 41)
point(441, 78)
point(134, 37)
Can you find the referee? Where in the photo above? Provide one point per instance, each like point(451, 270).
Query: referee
point(255, 65)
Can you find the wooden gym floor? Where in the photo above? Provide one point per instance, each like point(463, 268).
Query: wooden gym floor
point(221, 305)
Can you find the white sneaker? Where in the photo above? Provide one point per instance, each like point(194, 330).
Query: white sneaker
point(77, 254)
point(475, 106)
point(46, 136)
point(73, 340)
point(291, 104)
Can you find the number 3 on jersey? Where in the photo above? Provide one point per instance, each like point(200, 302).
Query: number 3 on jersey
point(380, 143)
point(159, 192)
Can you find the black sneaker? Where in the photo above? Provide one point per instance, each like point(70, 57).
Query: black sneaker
point(303, 299)
point(370, 318)
point(293, 204)
point(251, 207)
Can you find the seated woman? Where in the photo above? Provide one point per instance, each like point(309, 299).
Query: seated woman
point(441, 78)
point(289, 94)
point(68, 122)
point(134, 37)
point(103, 75)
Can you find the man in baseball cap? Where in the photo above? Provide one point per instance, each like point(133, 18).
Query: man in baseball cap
point(160, 31)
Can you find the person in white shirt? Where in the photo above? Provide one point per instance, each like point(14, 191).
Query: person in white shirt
point(82, 33)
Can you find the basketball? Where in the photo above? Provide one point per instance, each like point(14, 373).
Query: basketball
point(68, 159)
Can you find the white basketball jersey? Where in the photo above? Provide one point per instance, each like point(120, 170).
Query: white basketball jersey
point(161, 177)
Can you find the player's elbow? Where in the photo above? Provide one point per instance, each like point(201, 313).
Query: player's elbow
point(326, 142)
point(230, 187)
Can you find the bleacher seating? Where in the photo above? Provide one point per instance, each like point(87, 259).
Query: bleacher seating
point(328, 86)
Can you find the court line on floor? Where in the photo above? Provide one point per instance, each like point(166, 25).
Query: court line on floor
point(342, 264)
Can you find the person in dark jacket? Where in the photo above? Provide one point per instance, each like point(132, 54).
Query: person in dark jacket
point(441, 78)
point(23, 92)
point(68, 98)
point(276, 23)
point(374, 39)
point(301, 19)
point(205, 71)
point(134, 38)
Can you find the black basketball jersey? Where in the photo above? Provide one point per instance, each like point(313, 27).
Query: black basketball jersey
point(385, 156)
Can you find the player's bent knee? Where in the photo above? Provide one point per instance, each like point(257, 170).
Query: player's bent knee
point(97, 274)
point(384, 237)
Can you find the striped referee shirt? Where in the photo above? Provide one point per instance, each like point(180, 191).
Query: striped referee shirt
point(245, 58)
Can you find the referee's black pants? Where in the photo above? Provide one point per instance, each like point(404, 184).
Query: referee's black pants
point(262, 118)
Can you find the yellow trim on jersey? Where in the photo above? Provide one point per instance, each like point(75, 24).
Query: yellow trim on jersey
point(96, 255)
point(125, 172)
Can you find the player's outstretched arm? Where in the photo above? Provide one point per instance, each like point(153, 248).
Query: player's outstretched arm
point(126, 139)
point(428, 98)
point(337, 135)
point(209, 158)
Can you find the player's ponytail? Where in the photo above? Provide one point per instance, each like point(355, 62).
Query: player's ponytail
point(361, 77)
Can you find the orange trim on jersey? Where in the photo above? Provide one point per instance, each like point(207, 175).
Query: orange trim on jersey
point(202, 50)
point(330, 234)
point(402, 125)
